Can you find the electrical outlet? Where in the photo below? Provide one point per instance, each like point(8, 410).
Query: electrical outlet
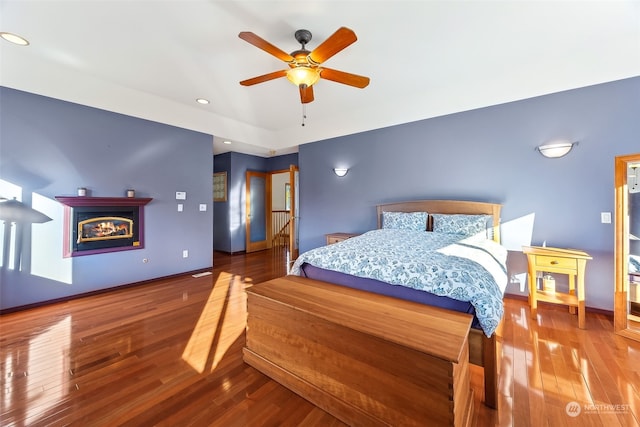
point(185, 254)
point(605, 217)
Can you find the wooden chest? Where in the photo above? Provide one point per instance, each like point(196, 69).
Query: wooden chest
point(367, 359)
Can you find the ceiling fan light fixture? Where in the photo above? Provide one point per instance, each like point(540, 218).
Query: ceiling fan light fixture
point(302, 75)
point(304, 66)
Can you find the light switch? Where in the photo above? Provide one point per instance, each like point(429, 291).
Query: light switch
point(180, 207)
point(181, 195)
point(605, 217)
point(203, 207)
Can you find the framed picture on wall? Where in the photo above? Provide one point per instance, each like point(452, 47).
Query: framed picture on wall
point(220, 187)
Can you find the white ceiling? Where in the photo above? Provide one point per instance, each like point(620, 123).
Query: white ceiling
point(153, 58)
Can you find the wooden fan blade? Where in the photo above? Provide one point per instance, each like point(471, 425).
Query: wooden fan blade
point(264, 78)
point(306, 94)
point(334, 44)
point(261, 43)
point(344, 78)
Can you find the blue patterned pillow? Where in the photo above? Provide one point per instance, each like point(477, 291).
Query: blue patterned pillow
point(469, 225)
point(405, 220)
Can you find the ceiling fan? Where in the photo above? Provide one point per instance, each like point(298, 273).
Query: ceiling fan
point(305, 67)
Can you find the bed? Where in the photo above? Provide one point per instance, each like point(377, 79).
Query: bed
point(479, 243)
point(634, 264)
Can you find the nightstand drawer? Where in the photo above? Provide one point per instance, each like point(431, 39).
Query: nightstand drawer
point(338, 237)
point(332, 239)
point(556, 262)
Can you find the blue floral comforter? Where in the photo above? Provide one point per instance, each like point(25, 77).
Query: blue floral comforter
point(465, 269)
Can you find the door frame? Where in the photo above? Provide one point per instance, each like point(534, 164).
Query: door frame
point(621, 293)
point(293, 223)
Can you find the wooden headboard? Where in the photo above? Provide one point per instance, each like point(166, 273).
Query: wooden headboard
point(446, 207)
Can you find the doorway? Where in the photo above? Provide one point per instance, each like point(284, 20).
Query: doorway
point(271, 210)
point(627, 246)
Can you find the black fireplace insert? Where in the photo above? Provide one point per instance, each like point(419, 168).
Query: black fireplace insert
point(102, 224)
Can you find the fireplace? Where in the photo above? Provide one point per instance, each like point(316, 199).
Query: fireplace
point(102, 224)
point(105, 228)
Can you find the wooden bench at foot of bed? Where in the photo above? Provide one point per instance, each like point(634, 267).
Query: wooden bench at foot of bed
point(365, 358)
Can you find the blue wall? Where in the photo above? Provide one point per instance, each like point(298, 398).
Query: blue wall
point(488, 155)
point(279, 163)
point(50, 147)
point(221, 227)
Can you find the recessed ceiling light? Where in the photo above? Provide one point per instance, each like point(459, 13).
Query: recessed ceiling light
point(202, 101)
point(226, 142)
point(14, 38)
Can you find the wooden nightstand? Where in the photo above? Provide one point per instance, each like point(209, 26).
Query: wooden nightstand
point(338, 237)
point(571, 262)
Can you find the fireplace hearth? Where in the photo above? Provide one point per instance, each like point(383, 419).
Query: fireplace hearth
point(94, 225)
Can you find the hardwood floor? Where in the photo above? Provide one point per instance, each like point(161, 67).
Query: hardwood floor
point(169, 353)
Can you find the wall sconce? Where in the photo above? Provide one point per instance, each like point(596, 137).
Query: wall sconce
point(340, 171)
point(556, 149)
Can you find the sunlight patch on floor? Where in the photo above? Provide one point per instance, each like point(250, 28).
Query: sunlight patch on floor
point(221, 322)
point(42, 381)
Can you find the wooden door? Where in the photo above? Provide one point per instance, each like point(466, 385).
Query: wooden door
point(258, 205)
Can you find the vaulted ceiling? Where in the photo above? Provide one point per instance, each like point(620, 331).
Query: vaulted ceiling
point(152, 59)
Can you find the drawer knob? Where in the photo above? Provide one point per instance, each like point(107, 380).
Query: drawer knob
point(554, 262)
